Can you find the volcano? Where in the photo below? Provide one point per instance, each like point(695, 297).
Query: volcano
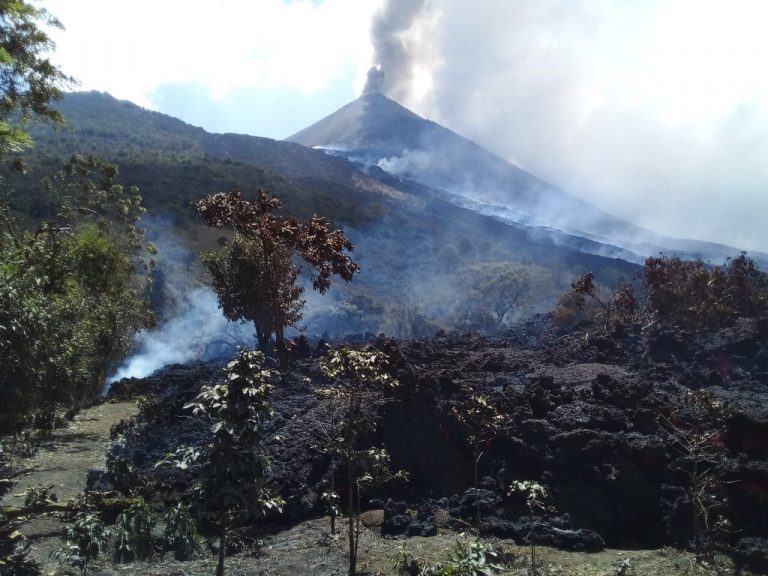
point(377, 134)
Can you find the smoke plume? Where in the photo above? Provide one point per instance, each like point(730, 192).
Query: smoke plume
point(191, 325)
point(399, 47)
point(650, 111)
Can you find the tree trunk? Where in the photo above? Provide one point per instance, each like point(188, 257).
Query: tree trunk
point(334, 505)
point(351, 519)
point(222, 547)
point(478, 455)
point(263, 338)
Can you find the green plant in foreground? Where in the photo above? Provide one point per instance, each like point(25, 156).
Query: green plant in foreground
point(15, 560)
point(36, 497)
point(356, 380)
point(405, 563)
point(133, 532)
point(181, 532)
point(84, 539)
point(536, 496)
point(233, 484)
point(473, 559)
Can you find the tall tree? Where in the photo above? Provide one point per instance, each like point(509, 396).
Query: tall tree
point(29, 82)
point(497, 288)
point(255, 276)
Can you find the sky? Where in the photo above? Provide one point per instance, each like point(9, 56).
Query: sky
point(655, 111)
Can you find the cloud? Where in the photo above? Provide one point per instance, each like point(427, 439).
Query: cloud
point(132, 48)
point(655, 111)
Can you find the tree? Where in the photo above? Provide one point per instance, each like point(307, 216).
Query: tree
point(696, 296)
point(484, 423)
point(234, 484)
point(29, 82)
point(244, 265)
point(498, 288)
point(695, 430)
point(357, 380)
point(585, 302)
point(70, 300)
point(254, 276)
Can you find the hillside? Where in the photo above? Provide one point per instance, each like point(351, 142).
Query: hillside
point(378, 134)
point(410, 240)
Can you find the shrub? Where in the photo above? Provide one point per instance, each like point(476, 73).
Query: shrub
point(133, 532)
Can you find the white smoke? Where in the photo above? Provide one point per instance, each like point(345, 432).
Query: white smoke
point(192, 326)
point(656, 112)
point(192, 335)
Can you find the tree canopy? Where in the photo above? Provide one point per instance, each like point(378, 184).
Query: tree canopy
point(69, 299)
point(29, 82)
point(255, 276)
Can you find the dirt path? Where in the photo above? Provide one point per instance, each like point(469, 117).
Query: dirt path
point(63, 462)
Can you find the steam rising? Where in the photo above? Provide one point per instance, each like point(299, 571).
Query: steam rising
point(191, 335)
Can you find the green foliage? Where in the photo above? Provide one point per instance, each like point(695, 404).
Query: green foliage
point(405, 563)
point(473, 559)
point(241, 273)
point(28, 80)
point(85, 539)
point(14, 554)
point(263, 251)
point(181, 532)
point(133, 532)
point(483, 422)
point(36, 497)
point(233, 479)
point(357, 381)
point(465, 559)
point(494, 289)
point(536, 498)
point(69, 298)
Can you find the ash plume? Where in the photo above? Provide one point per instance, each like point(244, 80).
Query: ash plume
point(395, 52)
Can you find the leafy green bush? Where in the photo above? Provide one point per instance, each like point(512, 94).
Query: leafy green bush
point(70, 301)
point(465, 559)
point(473, 559)
point(181, 532)
point(85, 539)
point(133, 532)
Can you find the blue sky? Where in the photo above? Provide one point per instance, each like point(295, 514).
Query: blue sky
point(656, 111)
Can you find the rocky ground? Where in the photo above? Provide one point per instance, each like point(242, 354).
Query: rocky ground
point(591, 416)
point(597, 418)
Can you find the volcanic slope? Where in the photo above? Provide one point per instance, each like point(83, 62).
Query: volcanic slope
point(410, 240)
point(378, 134)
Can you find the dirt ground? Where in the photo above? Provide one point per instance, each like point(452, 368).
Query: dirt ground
point(61, 464)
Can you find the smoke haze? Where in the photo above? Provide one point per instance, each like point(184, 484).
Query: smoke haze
point(656, 112)
point(191, 326)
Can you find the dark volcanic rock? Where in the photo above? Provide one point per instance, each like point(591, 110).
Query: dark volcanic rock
point(753, 552)
point(396, 519)
point(467, 505)
point(580, 414)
